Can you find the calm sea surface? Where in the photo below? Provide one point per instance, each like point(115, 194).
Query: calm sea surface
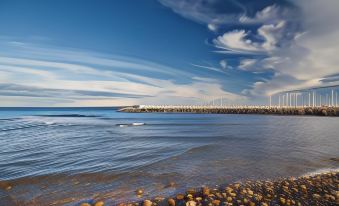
point(53, 155)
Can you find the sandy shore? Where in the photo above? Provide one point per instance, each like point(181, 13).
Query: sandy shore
point(319, 189)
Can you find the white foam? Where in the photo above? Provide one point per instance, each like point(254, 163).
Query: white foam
point(320, 171)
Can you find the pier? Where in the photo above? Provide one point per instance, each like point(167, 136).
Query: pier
point(321, 101)
point(274, 110)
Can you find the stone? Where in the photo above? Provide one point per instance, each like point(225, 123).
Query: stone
point(228, 189)
point(139, 192)
point(198, 199)
point(216, 202)
point(251, 204)
point(282, 200)
point(258, 198)
point(250, 192)
point(219, 195)
point(205, 191)
point(180, 197)
point(191, 191)
point(171, 202)
point(229, 199)
point(191, 203)
point(285, 188)
point(245, 200)
point(316, 196)
point(237, 185)
point(158, 199)
point(99, 203)
point(147, 203)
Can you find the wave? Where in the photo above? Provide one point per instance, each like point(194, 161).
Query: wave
point(66, 115)
point(320, 171)
point(21, 127)
point(9, 119)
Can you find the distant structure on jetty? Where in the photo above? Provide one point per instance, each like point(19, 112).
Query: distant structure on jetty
point(322, 101)
point(313, 97)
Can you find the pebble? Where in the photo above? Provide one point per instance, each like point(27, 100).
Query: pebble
point(147, 203)
point(139, 192)
point(250, 192)
point(191, 191)
point(251, 204)
point(180, 197)
point(282, 200)
point(171, 202)
point(99, 203)
point(316, 196)
point(216, 202)
point(229, 199)
point(310, 190)
point(205, 191)
point(191, 203)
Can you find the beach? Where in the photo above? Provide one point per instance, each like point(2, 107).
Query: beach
point(70, 156)
point(318, 189)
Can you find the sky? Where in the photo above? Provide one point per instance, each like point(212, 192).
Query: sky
point(127, 52)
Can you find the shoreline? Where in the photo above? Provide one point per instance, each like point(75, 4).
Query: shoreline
point(307, 111)
point(309, 189)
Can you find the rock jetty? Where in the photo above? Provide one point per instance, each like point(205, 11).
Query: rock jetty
point(317, 111)
point(321, 189)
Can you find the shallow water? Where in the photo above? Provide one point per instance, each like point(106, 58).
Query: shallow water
point(52, 155)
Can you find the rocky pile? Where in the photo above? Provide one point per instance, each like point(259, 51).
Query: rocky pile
point(316, 111)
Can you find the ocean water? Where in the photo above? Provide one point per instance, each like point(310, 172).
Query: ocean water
point(67, 155)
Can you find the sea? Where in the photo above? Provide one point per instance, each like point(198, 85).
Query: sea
point(65, 156)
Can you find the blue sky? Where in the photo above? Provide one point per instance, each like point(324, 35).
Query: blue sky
point(106, 53)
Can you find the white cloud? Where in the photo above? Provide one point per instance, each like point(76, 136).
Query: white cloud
point(96, 80)
point(210, 68)
point(309, 57)
point(202, 11)
point(270, 15)
point(212, 27)
point(236, 41)
point(247, 64)
point(223, 64)
point(240, 41)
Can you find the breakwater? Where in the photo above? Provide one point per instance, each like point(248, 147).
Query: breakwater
point(317, 111)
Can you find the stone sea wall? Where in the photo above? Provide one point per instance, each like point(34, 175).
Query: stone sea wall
point(317, 111)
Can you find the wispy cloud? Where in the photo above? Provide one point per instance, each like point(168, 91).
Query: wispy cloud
point(78, 78)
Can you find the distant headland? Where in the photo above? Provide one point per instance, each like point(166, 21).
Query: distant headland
point(271, 110)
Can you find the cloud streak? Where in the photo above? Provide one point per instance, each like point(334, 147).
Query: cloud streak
point(73, 78)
